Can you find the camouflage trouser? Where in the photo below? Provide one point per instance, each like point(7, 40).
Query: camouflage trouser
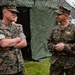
point(59, 70)
point(19, 73)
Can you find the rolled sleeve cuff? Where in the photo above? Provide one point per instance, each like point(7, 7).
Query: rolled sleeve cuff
point(22, 36)
point(2, 36)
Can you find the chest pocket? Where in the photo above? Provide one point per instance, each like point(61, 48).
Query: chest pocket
point(63, 36)
point(56, 36)
point(68, 36)
point(11, 32)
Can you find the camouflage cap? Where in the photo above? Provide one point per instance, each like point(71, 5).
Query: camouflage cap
point(63, 10)
point(10, 7)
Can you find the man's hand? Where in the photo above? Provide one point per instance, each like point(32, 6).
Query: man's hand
point(59, 46)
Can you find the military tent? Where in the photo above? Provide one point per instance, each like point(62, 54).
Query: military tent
point(38, 20)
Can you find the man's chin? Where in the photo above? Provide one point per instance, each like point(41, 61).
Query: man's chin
point(58, 20)
point(12, 20)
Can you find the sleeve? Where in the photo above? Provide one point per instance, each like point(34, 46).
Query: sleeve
point(50, 43)
point(22, 35)
point(70, 48)
point(2, 36)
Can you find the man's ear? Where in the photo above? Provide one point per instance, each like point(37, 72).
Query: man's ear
point(4, 10)
point(66, 15)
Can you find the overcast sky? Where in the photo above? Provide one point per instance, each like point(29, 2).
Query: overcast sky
point(71, 2)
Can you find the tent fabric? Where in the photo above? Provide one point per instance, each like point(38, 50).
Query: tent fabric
point(42, 23)
point(20, 3)
point(37, 3)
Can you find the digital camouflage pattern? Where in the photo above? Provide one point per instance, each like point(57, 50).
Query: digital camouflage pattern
point(64, 59)
point(11, 61)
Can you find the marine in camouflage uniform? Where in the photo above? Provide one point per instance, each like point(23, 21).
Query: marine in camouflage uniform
point(11, 60)
point(62, 60)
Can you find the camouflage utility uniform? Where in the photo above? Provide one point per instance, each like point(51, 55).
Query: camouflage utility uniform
point(62, 61)
point(11, 61)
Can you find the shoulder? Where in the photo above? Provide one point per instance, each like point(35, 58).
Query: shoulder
point(72, 26)
point(16, 24)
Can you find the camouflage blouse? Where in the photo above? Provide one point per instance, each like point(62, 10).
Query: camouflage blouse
point(11, 61)
point(67, 36)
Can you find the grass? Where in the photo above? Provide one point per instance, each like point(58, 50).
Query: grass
point(37, 68)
